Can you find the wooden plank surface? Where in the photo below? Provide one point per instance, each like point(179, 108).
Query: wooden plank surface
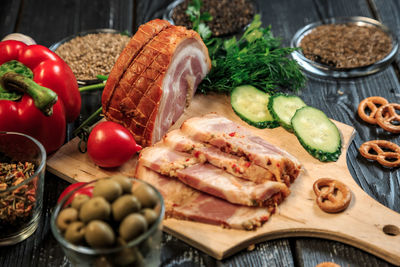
point(48, 24)
point(9, 17)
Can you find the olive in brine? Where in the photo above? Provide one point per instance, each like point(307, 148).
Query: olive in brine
point(99, 234)
point(124, 205)
point(79, 200)
point(146, 195)
point(123, 181)
point(96, 208)
point(66, 217)
point(132, 226)
point(75, 232)
point(107, 188)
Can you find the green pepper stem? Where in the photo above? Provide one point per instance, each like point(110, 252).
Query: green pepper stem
point(43, 98)
point(91, 87)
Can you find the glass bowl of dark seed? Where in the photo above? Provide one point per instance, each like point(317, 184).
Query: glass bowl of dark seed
point(22, 169)
point(344, 47)
point(91, 53)
point(229, 17)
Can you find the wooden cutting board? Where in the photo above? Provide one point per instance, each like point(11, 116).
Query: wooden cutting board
point(365, 224)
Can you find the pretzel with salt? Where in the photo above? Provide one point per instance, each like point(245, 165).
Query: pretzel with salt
point(387, 118)
point(386, 158)
point(328, 197)
point(371, 103)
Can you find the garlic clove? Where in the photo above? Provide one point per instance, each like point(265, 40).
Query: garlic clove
point(20, 37)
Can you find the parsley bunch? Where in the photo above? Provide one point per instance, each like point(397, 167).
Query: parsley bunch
point(256, 58)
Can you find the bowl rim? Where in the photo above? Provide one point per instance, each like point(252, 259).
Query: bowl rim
point(97, 251)
point(57, 44)
point(323, 70)
point(38, 170)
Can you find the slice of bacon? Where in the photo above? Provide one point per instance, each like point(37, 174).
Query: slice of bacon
point(235, 165)
point(183, 202)
point(235, 139)
point(210, 179)
point(162, 64)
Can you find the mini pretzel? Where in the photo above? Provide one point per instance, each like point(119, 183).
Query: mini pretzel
point(380, 155)
point(327, 264)
point(371, 103)
point(386, 115)
point(328, 197)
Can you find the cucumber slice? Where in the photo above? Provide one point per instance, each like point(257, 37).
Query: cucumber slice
point(251, 105)
point(282, 108)
point(317, 133)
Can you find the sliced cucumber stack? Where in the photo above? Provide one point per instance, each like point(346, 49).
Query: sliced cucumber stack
point(251, 105)
point(317, 133)
point(282, 108)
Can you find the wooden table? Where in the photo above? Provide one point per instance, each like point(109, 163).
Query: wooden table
point(49, 21)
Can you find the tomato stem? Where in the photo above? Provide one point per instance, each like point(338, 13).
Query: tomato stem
point(91, 87)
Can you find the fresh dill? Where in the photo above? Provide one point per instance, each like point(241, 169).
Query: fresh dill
point(256, 58)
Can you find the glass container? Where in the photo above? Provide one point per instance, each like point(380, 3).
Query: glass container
point(142, 251)
point(322, 70)
point(23, 163)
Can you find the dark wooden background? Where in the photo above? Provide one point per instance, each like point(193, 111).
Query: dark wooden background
point(48, 21)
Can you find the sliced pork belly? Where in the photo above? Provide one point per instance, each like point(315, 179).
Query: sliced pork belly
point(238, 166)
point(210, 179)
point(183, 202)
point(162, 64)
point(235, 139)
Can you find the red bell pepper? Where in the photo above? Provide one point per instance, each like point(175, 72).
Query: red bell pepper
point(31, 113)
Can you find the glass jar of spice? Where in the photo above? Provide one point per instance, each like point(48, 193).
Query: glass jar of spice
point(22, 169)
point(344, 47)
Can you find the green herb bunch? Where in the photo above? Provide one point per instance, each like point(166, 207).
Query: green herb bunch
point(257, 58)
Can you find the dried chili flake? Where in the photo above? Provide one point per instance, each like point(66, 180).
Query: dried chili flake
point(346, 45)
point(16, 205)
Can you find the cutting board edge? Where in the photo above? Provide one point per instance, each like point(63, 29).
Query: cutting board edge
point(286, 233)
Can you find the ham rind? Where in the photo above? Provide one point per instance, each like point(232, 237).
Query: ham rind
point(183, 202)
point(235, 139)
point(162, 64)
point(210, 179)
point(238, 166)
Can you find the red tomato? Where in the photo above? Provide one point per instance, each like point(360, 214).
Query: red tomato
point(87, 190)
point(111, 145)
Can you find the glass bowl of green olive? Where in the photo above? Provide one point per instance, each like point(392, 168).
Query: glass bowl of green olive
point(113, 221)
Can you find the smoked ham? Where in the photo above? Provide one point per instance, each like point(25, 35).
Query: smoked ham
point(154, 79)
point(183, 202)
point(210, 179)
point(235, 139)
point(235, 165)
point(192, 167)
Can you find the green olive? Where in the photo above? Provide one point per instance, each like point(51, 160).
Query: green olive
point(75, 232)
point(96, 208)
point(132, 226)
point(146, 195)
point(107, 188)
point(123, 181)
point(124, 205)
point(66, 217)
point(150, 215)
point(99, 234)
point(79, 200)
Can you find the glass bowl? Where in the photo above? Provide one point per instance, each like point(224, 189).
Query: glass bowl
point(142, 251)
point(323, 70)
point(21, 186)
point(169, 11)
point(56, 45)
